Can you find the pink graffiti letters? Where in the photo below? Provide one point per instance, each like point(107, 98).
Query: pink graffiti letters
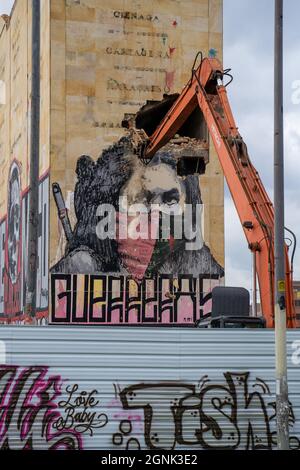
point(79, 411)
point(28, 410)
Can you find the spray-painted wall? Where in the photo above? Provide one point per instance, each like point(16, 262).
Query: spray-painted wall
point(164, 388)
point(101, 60)
point(13, 249)
point(109, 58)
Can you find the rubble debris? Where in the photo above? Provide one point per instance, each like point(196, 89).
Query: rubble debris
point(191, 154)
point(189, 151)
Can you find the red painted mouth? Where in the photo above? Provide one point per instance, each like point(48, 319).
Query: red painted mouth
point(136, 254)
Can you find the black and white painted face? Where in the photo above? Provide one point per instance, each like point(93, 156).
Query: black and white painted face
point(14, 222)
point(156, 184)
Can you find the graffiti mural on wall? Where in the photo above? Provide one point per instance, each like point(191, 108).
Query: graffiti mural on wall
point(13, 246)
point(104, 299)
point(96, 245)
point(39, 411)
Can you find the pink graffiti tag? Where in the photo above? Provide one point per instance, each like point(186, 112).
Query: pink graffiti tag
point(28, 410)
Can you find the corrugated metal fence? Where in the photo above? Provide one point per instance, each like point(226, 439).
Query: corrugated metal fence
point(100, 388)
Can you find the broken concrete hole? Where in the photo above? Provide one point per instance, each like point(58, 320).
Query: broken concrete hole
point(189, 146)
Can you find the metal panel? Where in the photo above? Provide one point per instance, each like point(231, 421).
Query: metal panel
point(121, 388)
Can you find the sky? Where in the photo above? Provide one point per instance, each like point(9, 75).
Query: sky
point(5, 6)
point(248, 51)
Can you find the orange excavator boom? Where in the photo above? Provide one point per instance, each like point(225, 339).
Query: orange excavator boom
point(206, 90)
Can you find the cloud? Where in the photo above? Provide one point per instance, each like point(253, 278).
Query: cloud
point(238, 264)
point(248, 50)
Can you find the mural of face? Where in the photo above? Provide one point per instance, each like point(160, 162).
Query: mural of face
point(14, 223)
point(119, 175)
point(155, 184)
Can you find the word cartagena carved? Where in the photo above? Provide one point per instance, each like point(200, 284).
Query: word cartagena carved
point(235, 413)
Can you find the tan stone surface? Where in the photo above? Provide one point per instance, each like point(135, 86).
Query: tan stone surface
point(4, 116)
point(107, 58)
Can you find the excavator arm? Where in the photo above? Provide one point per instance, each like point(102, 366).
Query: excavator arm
point(206, 90)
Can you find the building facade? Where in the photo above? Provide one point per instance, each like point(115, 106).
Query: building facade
point(101, 61)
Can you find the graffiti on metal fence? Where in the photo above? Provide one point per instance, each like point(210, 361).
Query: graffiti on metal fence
point(104, 299)
point(29, 409)
point(237, 414)
point(39, 411)
point(112, 234)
